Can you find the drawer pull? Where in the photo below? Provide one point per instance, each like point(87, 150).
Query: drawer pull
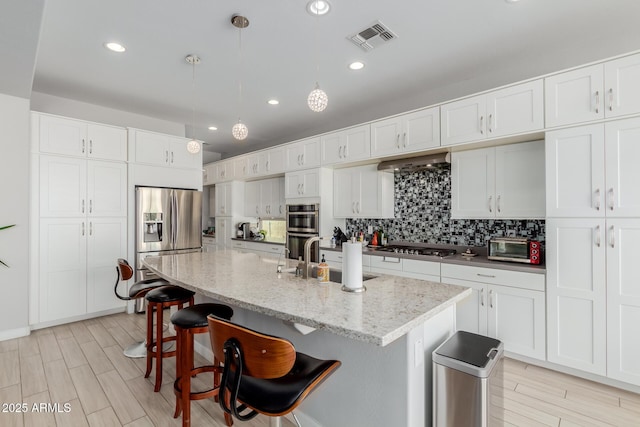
point(393, 260)
point(486, 275)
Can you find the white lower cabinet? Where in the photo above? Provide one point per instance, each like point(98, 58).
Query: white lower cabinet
point(224, 231)
point(506, 305)
point(593, 296)
point(77, 258)
point(334, 259)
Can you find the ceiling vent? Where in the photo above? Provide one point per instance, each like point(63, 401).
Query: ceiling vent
point(373, 36)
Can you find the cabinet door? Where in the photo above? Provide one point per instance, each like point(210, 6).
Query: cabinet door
point(576, 293)
point(332, 148)
point(463, 121)
point(517, 318)
point(575, 172)
point(344, 204)
point(623, 300)
point(622, 152)
point(63, 268)
point(252, 199)
point(63, 187)
point(367, 191)
point(224, 171)
point(574, 97)
point(179, 157)
point(292, 185)
point(622, 86)
point(266, 196)
point(516, 109)
point(357, 143)
point(152, 148)
point(106, 188)
point(63, 136)
point(272, 160)
point(241, 167)
point(224, 232)
point(473, 184)
point(310, 183)
point(107, 142)
point(253, 163)
point(520, 185)
point(421, 130)
point(310, 155)
point(293, 156)
point(106, 242)
point(221, 200)
point(385, 137)
point(471, 313)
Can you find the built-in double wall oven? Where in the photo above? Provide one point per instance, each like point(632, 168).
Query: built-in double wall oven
point(302, 222)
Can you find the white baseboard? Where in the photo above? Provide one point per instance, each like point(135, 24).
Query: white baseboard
point(14, 333)
point(57, 322)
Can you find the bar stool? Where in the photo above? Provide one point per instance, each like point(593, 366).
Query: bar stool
point(263, 373)
point(137, 290)
point(158, 299)
point(188, 322)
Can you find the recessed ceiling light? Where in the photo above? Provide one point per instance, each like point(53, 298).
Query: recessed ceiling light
point(273, 102)
point(356, 65)
point(512, 1)
point(318, 7)
point(116, 47)
point(213, 128)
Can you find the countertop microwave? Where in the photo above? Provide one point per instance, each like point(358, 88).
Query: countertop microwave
point(514, 249)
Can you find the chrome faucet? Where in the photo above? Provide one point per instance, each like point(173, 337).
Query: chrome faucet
point(305, 264)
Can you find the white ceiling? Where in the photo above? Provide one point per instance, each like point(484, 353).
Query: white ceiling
point(445, 49)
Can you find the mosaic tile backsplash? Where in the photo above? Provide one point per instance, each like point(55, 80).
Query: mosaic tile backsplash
point(423, 214)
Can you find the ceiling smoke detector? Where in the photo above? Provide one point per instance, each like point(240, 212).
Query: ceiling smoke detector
point(373, 36)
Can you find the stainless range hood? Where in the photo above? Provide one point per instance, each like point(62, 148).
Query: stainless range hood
point(430, 161)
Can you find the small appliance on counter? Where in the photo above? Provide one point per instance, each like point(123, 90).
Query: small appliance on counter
point(339, 236)
point(515, 249)
point(244, 230)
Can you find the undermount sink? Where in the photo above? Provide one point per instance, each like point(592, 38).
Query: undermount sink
point(335, 275)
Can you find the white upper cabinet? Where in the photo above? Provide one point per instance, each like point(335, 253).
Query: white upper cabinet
point(254, 167)
point(600, 91)
point(271, 161)
point(252, 199)
point(164, 150)
point(224, 171)
point(499, 182)
point(419, 130)
point(60, 135)
point(592, 170)
point(209, 174)
point(239, 166)
point(106, 189)
point(363, 192)
point(303, 154)
point(229, 198)
point(513, 110)
point(346, 145)
point(304, 183)
point(265, 198)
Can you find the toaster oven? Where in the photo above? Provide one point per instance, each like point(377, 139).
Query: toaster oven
point(515, 249)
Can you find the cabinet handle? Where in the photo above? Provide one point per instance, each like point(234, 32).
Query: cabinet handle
point(482, 297)
point(404, 140)
point(482, 125)
point(597, 236)
point(244, 170)
point(596, 202)
point(491, 298)
point(340, 152)
point(90, 205)
point(82, 145)
point(611, 99)
point(166, 156)
point(490, 117)
point(256, 209)
point(353, 207)
point(82, 205)
point(490, 206)
point(612, 237)
point(611, 199)
point(266, 166)
point(302, 158)
point(597, 102)
point(358, 207)
point(90, 146)
point(172, 157)
point(498, 203)
point(398, 141)
point(90, 228)
point(393, 260)
point(302, 186)
point(83, 228)
point(491, 276)
point(298, 159)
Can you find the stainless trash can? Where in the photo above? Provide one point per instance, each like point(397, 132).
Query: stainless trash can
point(467, 381)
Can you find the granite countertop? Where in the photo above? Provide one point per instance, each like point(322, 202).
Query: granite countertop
point(257, 241)
point(389, 309)
point(477, 261)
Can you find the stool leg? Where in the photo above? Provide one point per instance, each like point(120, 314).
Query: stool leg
point(186, 378)
point(179, 357)
point(159, 344)
point(216, 378)
point(150, 308)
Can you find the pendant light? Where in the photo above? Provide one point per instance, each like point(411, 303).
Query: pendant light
point(193, 146)
point(239, 130)
point(317, 99)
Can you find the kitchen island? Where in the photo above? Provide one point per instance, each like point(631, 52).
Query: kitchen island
point(383, 337)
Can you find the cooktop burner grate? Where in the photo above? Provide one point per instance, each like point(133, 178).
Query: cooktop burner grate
point(410, 250)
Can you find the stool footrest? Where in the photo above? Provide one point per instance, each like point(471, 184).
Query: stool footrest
point(199, 395)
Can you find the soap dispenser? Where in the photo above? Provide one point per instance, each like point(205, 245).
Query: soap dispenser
point(323, 271)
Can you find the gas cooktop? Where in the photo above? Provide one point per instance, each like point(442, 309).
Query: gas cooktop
point(412, 250)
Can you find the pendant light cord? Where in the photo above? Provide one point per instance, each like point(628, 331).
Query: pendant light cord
point(317, 44)
point(239, 73)
point(193, 101)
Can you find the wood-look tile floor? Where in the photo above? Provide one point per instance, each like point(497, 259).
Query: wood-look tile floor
point(82, 365)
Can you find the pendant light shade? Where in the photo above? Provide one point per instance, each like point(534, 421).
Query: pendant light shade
point(193, 146)
point(239, 131)
point(317, 99)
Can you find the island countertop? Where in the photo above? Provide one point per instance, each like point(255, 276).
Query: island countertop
point(390, 307)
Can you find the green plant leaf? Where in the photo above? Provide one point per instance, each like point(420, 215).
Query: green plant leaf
point(7, 226)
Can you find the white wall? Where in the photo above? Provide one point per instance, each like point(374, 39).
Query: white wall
point(14, 209)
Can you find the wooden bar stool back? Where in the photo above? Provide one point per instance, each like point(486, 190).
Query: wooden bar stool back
point(262, 373)
point(158, 299)
point(187, 323)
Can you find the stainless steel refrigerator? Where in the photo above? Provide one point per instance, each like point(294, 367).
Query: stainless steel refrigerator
point(168, 221)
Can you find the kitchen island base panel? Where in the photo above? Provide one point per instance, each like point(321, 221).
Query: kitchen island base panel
point(375, 386)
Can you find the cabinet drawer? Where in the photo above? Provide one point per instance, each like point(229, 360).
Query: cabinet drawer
point(386, 263)
point(514, 279)
point(235, 244)
point(272, 249)
point(336, 257)
point(421, 267)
